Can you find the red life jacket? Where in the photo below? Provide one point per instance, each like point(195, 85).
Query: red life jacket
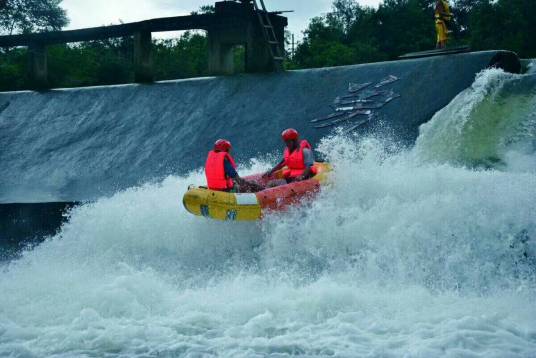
point(294, 161)
point(215, 171)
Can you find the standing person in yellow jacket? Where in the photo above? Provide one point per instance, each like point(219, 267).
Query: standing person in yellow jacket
point(442, 16)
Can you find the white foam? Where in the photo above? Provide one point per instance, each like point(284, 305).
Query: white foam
point(484, 122)
point(398, 257)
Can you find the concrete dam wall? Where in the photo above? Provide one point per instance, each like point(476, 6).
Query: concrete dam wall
point(73, 145)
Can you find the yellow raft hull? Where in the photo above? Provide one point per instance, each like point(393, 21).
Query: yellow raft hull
point(220, 205)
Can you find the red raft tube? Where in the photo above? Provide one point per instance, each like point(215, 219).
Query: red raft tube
point(220, 205)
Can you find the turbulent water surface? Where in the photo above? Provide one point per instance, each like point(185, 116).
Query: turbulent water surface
point(421, 252)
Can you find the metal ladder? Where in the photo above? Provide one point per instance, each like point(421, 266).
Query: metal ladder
point(276, 52)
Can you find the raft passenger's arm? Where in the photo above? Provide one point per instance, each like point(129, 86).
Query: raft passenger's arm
point(309, 161)
point(269, 173)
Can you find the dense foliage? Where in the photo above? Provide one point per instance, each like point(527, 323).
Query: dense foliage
point(107, 62)
point(353, 34)
point(348, 34)
point(21, 16)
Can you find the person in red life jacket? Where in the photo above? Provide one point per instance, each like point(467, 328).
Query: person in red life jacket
point(298, 158)
point(220, 171)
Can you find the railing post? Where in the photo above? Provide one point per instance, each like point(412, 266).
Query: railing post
point(37, 55)
point(143, 61)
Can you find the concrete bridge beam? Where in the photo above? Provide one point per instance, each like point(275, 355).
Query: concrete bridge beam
point(143, 59)
point(220, 53)
point(231, 24)
point(258, 57)
point(37, 55)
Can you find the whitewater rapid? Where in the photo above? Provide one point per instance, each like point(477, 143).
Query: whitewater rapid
point(419, 252)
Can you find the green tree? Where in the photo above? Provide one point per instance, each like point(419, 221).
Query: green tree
point(321, 44)
point(204, 9)
point(91, 63)
point(182, 57)
point(21, 16)
point(354, 34)
point(348, 34)
point(504, 24)
point(343, 15)
point(13, 70)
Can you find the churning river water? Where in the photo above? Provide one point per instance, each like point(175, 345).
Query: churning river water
point(418, 252)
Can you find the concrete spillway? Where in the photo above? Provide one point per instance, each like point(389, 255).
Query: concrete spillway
point(79, 144)
point(425, 251)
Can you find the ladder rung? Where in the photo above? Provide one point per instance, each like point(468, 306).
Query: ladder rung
point(268, 31)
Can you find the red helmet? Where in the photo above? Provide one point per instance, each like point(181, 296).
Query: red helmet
point(289, 134)
point(222, 145)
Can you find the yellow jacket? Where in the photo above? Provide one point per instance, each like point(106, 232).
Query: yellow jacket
point(446, 14)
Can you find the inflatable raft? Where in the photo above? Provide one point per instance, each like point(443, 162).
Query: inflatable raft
point(221, 205)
